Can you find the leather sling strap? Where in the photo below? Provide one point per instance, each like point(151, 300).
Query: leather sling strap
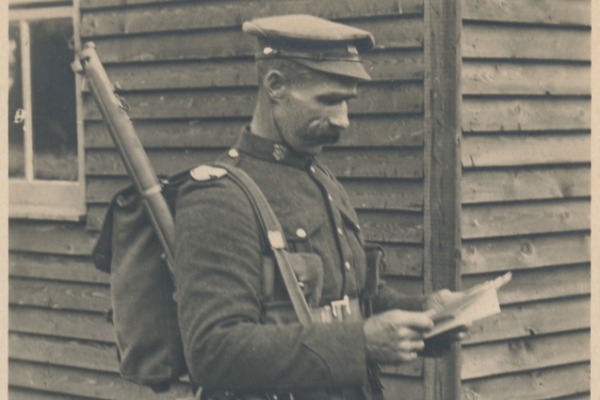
point(276, 240)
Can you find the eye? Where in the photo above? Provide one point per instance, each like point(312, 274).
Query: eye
point(330, 101)
point(335, 100)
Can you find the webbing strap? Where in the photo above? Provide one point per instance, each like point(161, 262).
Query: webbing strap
point(274, 234)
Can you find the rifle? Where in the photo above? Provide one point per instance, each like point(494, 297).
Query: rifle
point(133, 155)
point(135, 242)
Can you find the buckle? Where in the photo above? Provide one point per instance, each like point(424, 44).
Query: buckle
point(337, 307)
point(338, 310)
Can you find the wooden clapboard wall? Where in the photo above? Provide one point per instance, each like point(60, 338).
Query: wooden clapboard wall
point(187, 73)
point(526, 195)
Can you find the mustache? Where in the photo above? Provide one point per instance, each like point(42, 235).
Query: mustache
point(322, 132)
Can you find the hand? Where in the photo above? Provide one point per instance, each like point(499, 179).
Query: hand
point(396, 336)
point(439, 300)
point(442, 344)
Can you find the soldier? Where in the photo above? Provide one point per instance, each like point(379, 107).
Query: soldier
point(240, 335)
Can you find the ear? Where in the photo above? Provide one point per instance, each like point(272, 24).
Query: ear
point(276, 85)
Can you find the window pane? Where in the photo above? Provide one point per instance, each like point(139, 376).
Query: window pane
point(53, 100)
point(16, 160)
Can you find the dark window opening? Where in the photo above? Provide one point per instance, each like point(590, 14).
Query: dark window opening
point(16, 159)
point(53, 100)
point(52, 91)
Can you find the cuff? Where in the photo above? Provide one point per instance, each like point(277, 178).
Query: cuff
point(346, 360)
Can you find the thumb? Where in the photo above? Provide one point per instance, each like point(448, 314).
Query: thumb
point(442, 298)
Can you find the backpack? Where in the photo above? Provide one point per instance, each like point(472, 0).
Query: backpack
point(144, 311)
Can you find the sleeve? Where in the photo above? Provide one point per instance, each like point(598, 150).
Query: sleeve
point(388, 299)
point(218, 279)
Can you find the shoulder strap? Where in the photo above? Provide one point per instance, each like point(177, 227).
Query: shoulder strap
point(274, 234)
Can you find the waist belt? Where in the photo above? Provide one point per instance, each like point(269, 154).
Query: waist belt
point(281, 312)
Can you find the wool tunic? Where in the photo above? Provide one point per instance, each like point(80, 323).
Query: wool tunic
point(220, 279)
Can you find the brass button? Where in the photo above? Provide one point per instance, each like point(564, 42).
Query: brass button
point(301, 233)
point(340, 231)
point(330, 197)
point(313, 169)
point(348, 266)
point(233, 153)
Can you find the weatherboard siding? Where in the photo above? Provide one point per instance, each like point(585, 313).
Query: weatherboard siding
point(186, 71)
point(526, 195)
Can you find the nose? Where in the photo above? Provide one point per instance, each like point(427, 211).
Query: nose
point(339, 117)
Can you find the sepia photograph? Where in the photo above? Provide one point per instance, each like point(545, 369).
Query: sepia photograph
point(299, 199)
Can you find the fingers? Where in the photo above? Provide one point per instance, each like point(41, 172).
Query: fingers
point(415, 320)
point(442, 294)
point(405, 333)
point(407, 357)
point(408, 350)
point(409, 342)
point(457, 334)
point(409, 346)
point(395, 336)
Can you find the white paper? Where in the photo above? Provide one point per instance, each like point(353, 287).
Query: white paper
point(479, 302)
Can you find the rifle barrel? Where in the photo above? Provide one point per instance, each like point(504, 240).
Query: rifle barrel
point(130, 148)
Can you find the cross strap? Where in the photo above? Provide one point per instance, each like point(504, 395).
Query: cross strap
point(273, 232)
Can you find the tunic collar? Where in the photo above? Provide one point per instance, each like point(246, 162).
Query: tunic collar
point(270, 150)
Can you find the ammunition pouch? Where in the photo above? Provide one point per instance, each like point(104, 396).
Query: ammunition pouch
point(308, 269)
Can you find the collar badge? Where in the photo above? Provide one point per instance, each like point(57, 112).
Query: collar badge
point(279, 152)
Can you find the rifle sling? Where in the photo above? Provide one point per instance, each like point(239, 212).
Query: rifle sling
point(276, 240)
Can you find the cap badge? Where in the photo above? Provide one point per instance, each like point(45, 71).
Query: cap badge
point(267, 51)
point(352, 50)
point(279, 152)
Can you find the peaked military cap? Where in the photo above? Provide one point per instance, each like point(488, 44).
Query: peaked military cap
point(314, 42)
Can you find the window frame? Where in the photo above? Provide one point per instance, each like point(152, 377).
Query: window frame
point(32, 198)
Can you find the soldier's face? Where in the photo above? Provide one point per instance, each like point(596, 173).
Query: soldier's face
point(314, 112)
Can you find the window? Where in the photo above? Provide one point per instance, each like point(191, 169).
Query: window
point(46, 175)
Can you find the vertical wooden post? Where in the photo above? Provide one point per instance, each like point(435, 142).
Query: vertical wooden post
point(442, 99)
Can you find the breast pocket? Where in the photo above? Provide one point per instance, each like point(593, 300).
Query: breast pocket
point(302, 235)
point(302, 231)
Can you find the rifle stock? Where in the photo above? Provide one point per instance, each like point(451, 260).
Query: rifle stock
point(130, 148)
